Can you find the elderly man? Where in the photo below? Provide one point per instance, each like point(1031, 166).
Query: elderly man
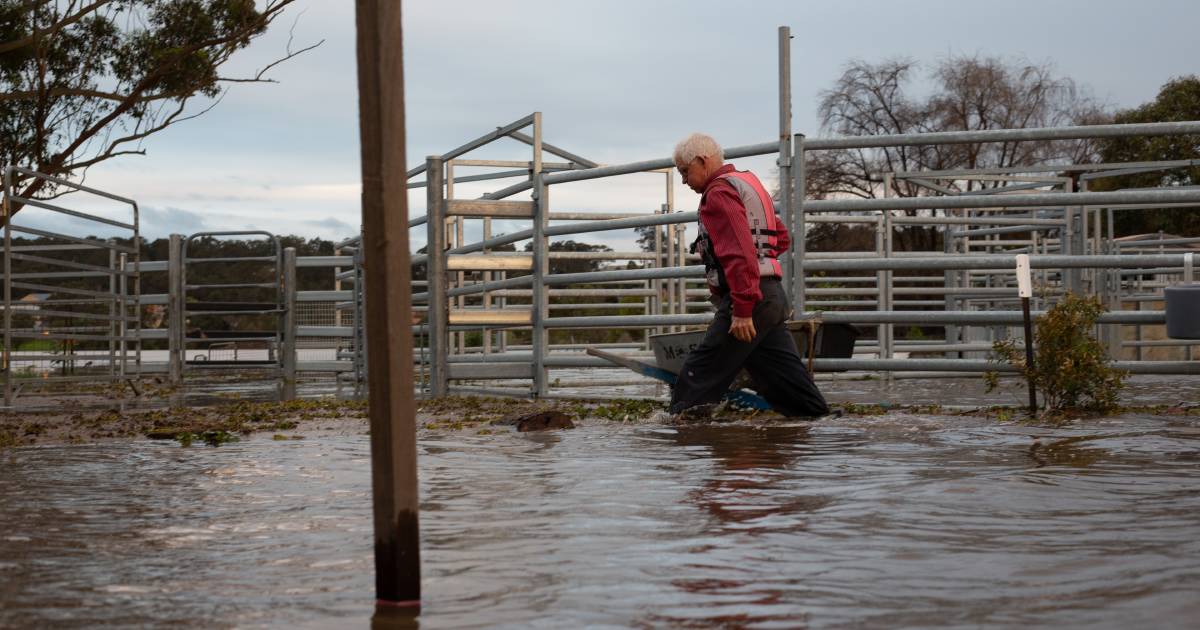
point(740, 239)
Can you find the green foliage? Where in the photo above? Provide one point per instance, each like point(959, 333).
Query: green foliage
point(626, 410)
point(211, 438)
point(1178, 100)
point(1071, 369)
point(82, 82)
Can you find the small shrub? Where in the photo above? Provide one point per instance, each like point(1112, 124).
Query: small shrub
point(1071, 369)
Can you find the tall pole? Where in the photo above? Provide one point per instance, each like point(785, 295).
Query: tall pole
point(784, 162)
point(1025, 291)
point(289, 347)
point(175, 320)
point(437, 315)
point(389, 298)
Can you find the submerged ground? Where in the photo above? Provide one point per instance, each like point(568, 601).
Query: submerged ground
point(890, 516)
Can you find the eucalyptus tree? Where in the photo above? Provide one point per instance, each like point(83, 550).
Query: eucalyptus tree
point(84, 81)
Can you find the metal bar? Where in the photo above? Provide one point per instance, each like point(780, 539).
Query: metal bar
point(480, 287)
point(1006, 135)
point(234, 285)
point(787, 192)
point(550, 148)
point(100, 356)
point(976, 318)
point(924, 183)
point(764, 148)
point(47, 288)
point(1000, 191)
point(50, 275)
point(435, 270)
point(1047, 168)
point(560, 279)
point(80, 215)
point(175, 317)
point(1114, 198)
point(97, 244)
point(112, 299)
point(1156, 243)
point(541, 264)
point(1011, 229)
point(8, 310)
point(500, 132)
point(1135, 170)
point(323, 261)
point(580, 293)
point(20, 334)
point(998, 262)
point(230, 259)
point(288, 348)
point(509, 191)
point(63, 263)
point(70, 184)
point(622, 224)
point(497, 241)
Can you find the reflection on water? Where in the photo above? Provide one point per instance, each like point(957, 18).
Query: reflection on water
point(882, 522)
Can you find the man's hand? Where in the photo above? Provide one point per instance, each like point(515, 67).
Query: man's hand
point(742, 328)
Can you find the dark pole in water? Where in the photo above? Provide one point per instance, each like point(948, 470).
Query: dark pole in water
point(1029, 356)
point(388, 295)
point(1025, 290)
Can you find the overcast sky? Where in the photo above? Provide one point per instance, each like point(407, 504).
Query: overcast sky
point(616, 81)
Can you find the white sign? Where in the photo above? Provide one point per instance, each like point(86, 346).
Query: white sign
point(1024, 279)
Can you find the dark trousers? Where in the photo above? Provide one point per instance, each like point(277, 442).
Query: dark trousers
point(770, 358)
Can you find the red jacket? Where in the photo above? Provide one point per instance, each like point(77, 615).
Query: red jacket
point(724, 216)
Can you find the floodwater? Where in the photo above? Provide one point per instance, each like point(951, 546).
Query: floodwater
point(893, 521)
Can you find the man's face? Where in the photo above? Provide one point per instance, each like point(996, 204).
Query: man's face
point(695, 173)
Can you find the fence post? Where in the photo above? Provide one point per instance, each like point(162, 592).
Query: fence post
point(784, 162)
point(394, 488)
point(797, 228)
point(123, 326)
point(288, 351)
point(437, 318)
point(175, 323)
point(541, 266)
point(8, 371)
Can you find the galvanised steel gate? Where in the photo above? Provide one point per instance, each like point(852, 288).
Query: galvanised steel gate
point(230, 325)
point(71, 298)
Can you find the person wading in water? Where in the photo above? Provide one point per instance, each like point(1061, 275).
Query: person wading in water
point(740, 241)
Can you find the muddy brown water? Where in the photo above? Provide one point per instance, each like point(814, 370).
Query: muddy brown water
point(892, 521)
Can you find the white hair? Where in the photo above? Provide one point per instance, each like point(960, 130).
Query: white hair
point(698, 145)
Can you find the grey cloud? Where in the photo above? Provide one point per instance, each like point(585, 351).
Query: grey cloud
point(162, 221)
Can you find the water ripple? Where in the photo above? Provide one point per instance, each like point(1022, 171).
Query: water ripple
point(894, 521)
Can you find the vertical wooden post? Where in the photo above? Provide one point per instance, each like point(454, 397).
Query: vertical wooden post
point(389, 300)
